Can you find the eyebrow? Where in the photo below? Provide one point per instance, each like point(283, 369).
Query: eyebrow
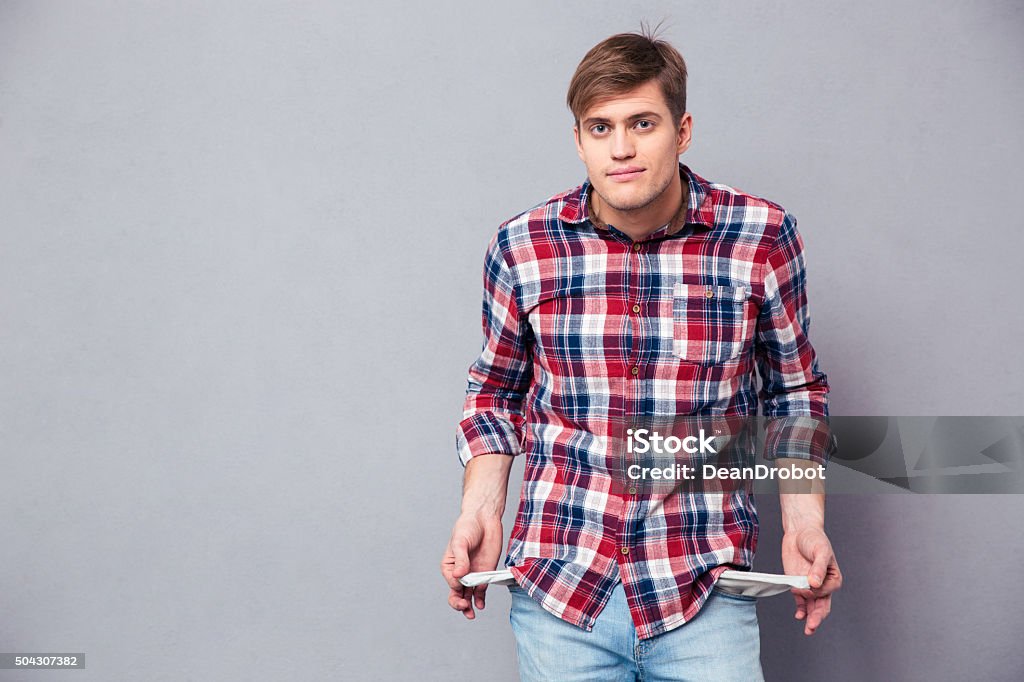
point(594, 120)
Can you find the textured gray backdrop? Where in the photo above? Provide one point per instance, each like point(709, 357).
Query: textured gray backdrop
point(240, 253)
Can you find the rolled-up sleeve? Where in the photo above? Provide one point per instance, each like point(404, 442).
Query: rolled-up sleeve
point(794, 392)
point(492, 420)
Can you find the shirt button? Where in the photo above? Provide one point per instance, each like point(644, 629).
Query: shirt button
point(636, 309)
point(636, 247)
point(709, 294)
point(624, 550)
point(632, 491)
point(634, 371)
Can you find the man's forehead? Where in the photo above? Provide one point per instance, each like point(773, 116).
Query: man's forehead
point(638, 101)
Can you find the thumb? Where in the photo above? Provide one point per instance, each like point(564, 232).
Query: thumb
point(461, 552)
point(816, 576)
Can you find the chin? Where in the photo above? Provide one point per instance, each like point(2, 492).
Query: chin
point(629, 200)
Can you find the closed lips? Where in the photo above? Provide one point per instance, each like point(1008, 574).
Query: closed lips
point(625, 175)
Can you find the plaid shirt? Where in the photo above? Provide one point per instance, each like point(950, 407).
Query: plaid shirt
point(584, 326)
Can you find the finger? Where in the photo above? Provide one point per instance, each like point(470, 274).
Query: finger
point(457, 601)
point(806, 594)
point(480, 596)
point(460, 602)
point(820, 611)
point(468, 612)
point(816, 615)
point(809, 607)
point(833, 581)
point(801, 606)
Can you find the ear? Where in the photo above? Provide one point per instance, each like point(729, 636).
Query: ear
point(685, 133)
point(576, 136)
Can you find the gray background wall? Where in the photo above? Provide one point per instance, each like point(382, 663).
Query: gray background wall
point(240, 252)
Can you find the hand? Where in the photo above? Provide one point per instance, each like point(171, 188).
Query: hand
point(808, 552)
point(475, 545)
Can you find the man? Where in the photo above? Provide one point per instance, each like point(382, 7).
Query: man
point(646, 291)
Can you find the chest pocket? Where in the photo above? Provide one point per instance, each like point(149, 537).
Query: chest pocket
point(710, 324)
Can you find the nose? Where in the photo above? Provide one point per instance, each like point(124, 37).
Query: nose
point(622, 144)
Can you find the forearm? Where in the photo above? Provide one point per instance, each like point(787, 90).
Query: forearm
point(485, 485)
point(802, 510)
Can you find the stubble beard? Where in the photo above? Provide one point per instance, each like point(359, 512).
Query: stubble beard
point(642, 202)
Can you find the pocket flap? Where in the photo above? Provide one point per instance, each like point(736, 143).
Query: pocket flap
point(712, 292)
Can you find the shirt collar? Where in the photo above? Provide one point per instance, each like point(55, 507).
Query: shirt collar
point(699, 212)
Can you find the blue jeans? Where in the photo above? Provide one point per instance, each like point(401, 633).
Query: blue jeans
point(721, 643)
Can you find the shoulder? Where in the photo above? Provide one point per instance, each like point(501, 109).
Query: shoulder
point(748, 215)
point(746, 205)
point(538, 224)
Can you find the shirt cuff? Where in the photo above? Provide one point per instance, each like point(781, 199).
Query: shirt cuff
point(808, 438)
point(486, 433)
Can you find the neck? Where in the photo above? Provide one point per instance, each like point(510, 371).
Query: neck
point(639, 223)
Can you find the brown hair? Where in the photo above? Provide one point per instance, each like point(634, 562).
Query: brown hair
point(623, 62)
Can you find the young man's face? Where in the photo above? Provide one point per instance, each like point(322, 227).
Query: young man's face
point(631, 146)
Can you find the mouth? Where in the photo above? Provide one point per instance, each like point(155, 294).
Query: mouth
point(625, 174)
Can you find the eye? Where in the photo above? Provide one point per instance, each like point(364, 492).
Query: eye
point(598, 129)
point(644, 124)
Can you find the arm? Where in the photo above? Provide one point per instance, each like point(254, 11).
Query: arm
point(492, 414)
point(795, 397)
point(490, 433)
point(475, 544)
point(806, 550)
point(791, 384)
